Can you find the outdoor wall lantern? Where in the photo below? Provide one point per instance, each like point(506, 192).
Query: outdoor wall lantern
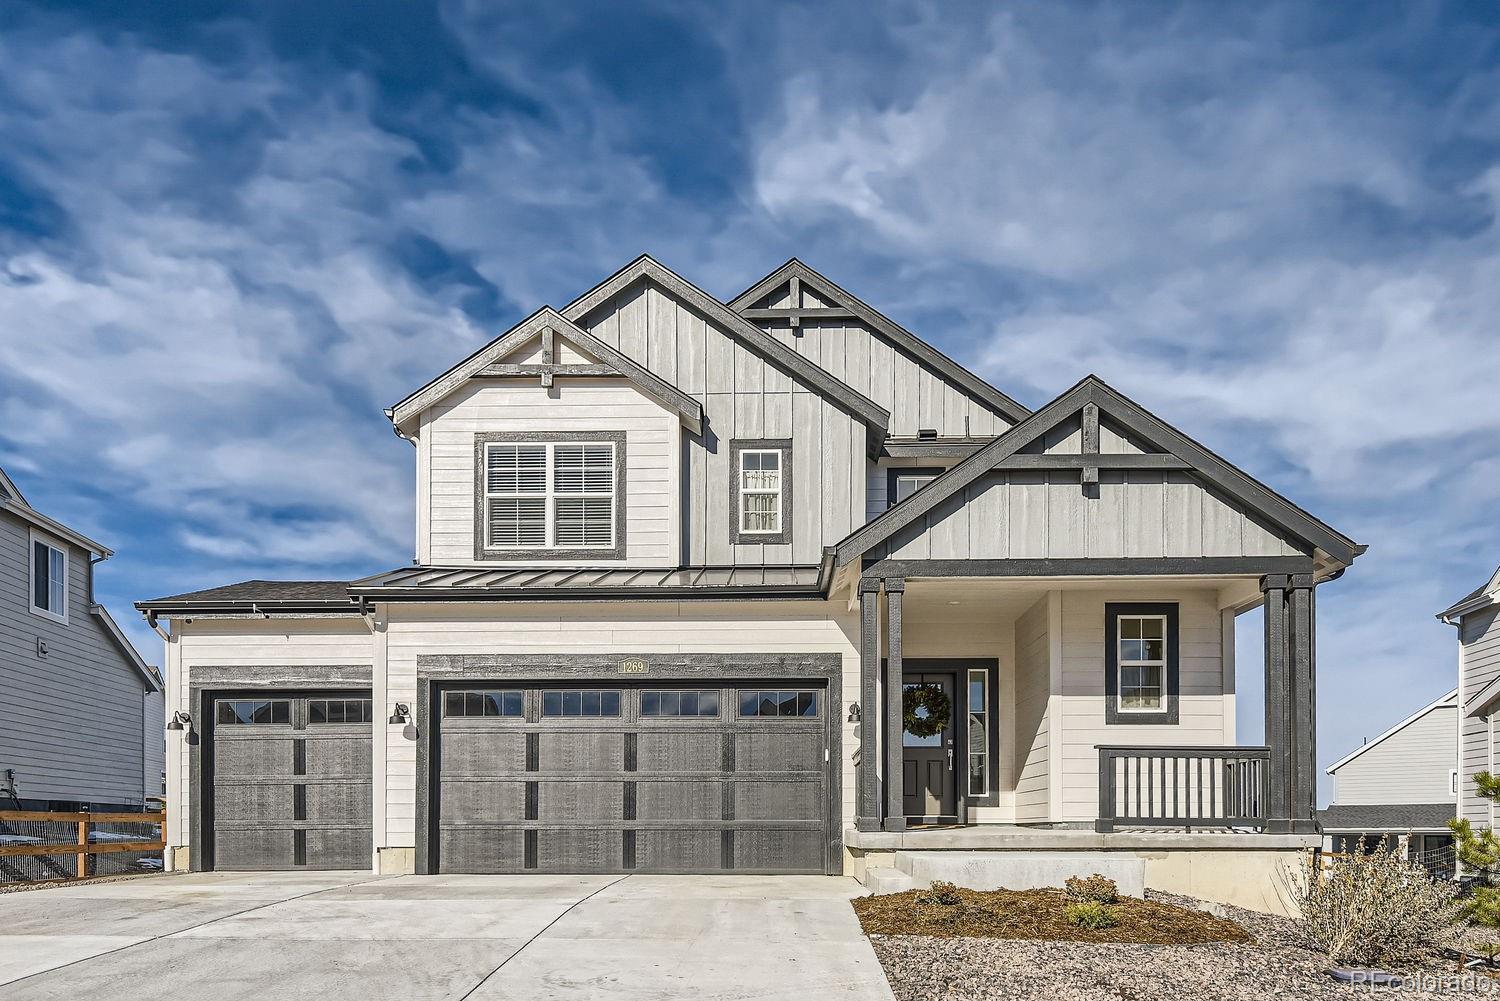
point(854, 715)
point(179, 721)
point(402, 714)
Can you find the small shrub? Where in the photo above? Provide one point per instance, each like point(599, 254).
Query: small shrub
point(1374, 910)
point(1096, 887)
point(1092, 914)
point(942, 893)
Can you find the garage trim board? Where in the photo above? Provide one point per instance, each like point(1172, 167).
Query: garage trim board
point(507, 762)
point(297, 687)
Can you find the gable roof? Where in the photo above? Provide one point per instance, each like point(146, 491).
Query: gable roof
point(653, 385)
point(1447, 701)
point(127, 649)
point(1394, 817)
point(1200, 462)
point(16, 505)
point(1476, 599)
point(887, 328)
point(875, 417)
point(9, 490)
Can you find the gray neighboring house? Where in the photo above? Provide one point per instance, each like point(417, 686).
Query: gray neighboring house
point(1475, 616)
point(1401, 787)
point(81, 720)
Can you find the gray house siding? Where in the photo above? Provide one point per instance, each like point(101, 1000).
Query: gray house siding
point(743, 397)
point(73, 724)
point(1412, 765)
point(1479, 639)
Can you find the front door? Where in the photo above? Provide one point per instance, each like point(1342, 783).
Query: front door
point(927, 762)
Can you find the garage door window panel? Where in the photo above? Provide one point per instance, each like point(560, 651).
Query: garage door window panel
point(575, 703)
point(493, 703)
point(255, 713)
point(680, 704)
point(778, 704)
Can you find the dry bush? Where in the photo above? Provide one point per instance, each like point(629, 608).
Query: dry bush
point(1096, 887)
point(1374, 910)
point(1092, 914)
point(942, 893)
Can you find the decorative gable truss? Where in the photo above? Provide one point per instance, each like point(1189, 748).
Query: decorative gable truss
point(1094, 477)
point(923, 388)
point(545, 346)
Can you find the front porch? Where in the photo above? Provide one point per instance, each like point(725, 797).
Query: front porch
point(1064, 735)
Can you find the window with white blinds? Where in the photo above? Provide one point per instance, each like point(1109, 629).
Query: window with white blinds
point(550, 495)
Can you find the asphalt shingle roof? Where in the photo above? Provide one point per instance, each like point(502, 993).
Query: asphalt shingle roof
point(262, 590)
point(1388, 817)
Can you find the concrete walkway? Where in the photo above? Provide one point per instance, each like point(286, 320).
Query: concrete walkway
point(225, 936)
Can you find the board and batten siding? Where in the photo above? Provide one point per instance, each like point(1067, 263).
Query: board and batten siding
point(625, 628)
point(916, 396)
point(1479, 640)
point(743, 397)
point(254, 643)
point(1022, 514)
point(652, 436)
point(73, 724)
point(1412, 765)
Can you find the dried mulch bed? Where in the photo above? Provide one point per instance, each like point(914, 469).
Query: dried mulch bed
point(1269, 962)
point(1037, 914)
point(26, 886)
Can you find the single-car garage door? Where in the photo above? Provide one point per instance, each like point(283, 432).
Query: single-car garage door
point(676, 777)
point(291, 781)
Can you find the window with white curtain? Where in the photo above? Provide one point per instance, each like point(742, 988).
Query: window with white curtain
point(550, 495)
point(760, 492)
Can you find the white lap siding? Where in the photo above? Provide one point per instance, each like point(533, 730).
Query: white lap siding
point(1081, 701)
point(1479, 639)
point(626, 629)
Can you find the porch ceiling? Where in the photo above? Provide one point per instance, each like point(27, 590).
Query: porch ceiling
point(960, 598)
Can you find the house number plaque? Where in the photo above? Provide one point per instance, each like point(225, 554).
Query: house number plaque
point(633, 666)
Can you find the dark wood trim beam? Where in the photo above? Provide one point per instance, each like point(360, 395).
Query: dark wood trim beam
point(895, 790)
point(797, 315)
point(547, 371)
point(867, 809)
point(1186, 566)
point(940, 449)
point(1093, 462)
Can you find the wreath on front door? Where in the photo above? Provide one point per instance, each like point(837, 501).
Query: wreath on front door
point(931, 698)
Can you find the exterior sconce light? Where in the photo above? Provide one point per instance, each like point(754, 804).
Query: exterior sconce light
point(402, 714)
point(854, 713)
point(180, 721)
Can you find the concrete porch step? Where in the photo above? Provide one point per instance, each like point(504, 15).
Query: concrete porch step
point(1018, 870)
point(882, 880)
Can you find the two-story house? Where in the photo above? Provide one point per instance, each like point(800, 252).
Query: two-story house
point(1476, 616)
point(766, 585)
point(80, 712)
point(1399, 790)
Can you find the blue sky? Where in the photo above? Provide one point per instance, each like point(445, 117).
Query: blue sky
point(229, 236)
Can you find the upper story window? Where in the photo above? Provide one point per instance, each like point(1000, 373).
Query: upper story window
point(1141, 670)
point(550, 494)
point(902, 483)
point(762, 490)
point(49, 579)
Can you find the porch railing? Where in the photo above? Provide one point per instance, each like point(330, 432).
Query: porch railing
point(1182, 786)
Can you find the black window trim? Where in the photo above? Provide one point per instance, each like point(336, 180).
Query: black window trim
point(816, 694)
point(893, 473)
point(718, 695)
point(1113, 715)
point(784, 446)
point(601, 691)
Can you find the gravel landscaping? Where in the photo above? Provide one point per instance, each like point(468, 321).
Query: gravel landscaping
point(1272, 965)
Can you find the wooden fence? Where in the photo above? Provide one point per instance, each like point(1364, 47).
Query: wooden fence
point(86, 838)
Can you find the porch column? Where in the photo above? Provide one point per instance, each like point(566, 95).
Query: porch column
point(895, 808)
point(867, 808)
point(1290, 696)
point(1302, 657)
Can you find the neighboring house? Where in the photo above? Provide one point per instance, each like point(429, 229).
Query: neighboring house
point(81, 714)
point(1400, 789)
point(1475, 616)
point(676, 557)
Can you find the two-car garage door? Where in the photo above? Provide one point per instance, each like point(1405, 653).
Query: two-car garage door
point(685, 777)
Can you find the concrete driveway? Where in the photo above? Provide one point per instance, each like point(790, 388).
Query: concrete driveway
point(223, 936)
